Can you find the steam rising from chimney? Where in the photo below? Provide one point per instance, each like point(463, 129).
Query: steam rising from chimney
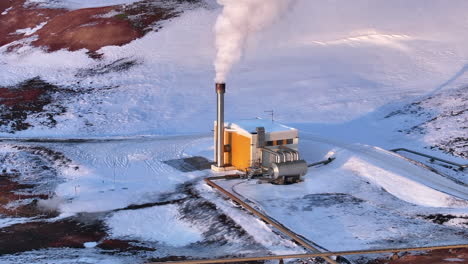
point(239, 20)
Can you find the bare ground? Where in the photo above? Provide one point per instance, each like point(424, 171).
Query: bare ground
point(450, 256)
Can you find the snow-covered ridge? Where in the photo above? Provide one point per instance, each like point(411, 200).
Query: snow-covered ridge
point(389, 40)
point(405, 180)
point(441, 119)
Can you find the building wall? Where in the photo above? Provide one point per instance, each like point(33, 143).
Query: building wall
point(240, 155)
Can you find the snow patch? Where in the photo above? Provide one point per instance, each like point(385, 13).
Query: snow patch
point(158, 224)
point(30, 31)
point(458, 222)
point(90, 244)
point(6, 222)
point(454, 260)
point(6, 11)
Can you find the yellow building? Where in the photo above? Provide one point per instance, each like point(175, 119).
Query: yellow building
point(257, 143)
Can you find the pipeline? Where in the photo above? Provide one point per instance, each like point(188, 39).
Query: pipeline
point(324, 162)
point(461, 166)
point(283, 153)
point(315, 255)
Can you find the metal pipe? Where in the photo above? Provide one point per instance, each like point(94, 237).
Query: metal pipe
point(220, 91)
point(283, 155)
point(313, 255)
point(324, 162)
point(461, 166)
point(290, 153)
point(276, 154)
point(294, 153)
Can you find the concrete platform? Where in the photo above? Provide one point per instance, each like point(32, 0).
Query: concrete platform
point(222, 169)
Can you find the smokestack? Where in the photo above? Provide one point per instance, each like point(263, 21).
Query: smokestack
point(220, 90)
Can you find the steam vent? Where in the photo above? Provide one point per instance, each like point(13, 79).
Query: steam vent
point(257, 147)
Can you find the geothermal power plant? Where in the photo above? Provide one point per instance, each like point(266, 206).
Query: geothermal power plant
point(256, 147)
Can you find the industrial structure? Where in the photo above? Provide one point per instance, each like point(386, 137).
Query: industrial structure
point(257, 147)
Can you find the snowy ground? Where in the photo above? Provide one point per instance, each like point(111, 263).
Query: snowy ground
point(366, 198)
point(350, 77)
point(124, 190)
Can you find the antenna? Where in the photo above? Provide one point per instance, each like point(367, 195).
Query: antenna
point(272, 113)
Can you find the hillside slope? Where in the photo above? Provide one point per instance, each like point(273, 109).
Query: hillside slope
point(341, 71)
point(441, 119)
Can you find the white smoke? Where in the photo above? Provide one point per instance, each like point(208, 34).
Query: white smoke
point(50, 205)
point(240, 19)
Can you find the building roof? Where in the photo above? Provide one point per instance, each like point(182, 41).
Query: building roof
point(250, 125)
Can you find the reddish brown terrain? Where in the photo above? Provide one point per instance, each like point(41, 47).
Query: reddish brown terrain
point(89, 28)
point(451, 256)
point(19, 17)
point(11, 97)
point(30, 97)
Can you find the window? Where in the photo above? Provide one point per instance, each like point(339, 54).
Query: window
point(290, 141)
point(269, 143)
point(280, 142)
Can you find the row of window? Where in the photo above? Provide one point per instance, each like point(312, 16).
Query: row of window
point(280, 142)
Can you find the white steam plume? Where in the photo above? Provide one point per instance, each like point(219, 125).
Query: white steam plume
point(240, 19)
